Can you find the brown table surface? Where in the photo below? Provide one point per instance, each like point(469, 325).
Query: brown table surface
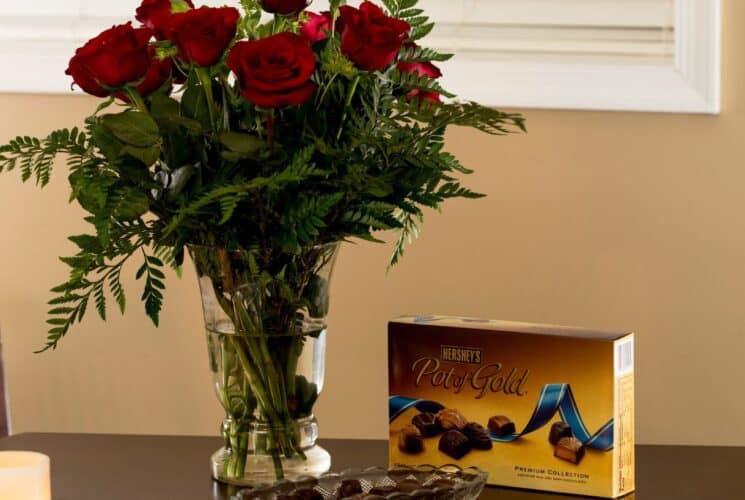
point(115, 467)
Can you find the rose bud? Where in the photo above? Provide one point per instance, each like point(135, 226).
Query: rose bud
point(315, 28)
point(422, 69)
point(369, 38)
point(157, 74)
point(202, 35)
point(114, 58)
point(274, 72)
point(155, 14)
point(284, 7)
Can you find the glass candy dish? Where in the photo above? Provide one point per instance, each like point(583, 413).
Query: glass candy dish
point(424, 482)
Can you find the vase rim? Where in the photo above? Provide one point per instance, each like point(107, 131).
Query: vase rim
point(244, 250)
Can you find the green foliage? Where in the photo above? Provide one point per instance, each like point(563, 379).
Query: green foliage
point(132, 127)
point(304, 220)
point(251, 19)
point(333, 62)
point(468, 114)
point(34, 157)
point(422, 54)
point(415, 81)
point(152, 295)
point(396, 7)
point(406, 10)
point(200, 165)
point(94, 270)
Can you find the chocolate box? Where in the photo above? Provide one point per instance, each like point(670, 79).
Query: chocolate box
point(539, 407)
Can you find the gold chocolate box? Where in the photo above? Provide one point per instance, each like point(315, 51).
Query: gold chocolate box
point(536, 406)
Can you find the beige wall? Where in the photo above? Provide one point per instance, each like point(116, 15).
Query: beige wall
point(598, 219)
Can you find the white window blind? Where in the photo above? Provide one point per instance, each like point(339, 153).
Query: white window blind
point(572, 28)
point(655, 55)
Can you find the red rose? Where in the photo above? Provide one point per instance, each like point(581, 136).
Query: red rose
point(155, 14)
point(315, 27)
point(284, 7)
point(369, 38)
point(83, 79)
point(274, 72)
point(157, 75)
point(203, 34)
point(423, 69)
point(114, 58)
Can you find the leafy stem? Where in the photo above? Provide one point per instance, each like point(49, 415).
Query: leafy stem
point(136, 99)
point(347, 103)
point(322, 96)
point(71, 305)
point(203, 74)
point(152, 294)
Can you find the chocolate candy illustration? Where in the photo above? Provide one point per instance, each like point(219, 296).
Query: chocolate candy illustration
point(559, 430)
point(410, 440)
point(454, 444)
point(569, 449)
point(501, 426)
point(478, 436)
point(427, 424)
point(450, 419)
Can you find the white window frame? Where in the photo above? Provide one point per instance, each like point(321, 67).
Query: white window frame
point(39, 47)
point(691, 85)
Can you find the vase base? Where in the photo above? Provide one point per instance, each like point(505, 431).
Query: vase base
point(260, 469)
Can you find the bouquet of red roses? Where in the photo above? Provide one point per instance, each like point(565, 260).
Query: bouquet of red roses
point(273, 132)
point(337, 115)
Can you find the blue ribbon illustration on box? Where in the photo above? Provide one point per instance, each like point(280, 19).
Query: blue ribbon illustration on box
point(553, 398)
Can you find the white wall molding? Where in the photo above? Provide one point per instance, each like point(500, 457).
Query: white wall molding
point(503, 59)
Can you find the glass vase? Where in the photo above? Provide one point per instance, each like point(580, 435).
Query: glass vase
point(265, 318)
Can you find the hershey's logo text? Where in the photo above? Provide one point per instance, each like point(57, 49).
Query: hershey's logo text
point(467, 355)
point(485, 378)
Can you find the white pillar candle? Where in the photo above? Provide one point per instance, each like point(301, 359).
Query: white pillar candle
point(24, 475)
